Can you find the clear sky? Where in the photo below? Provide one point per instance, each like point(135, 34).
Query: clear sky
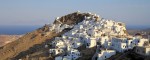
point(40, 12)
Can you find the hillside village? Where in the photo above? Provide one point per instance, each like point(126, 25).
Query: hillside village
point(109, 38)
point(79, 36)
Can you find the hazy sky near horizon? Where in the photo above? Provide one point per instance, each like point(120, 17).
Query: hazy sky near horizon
point(40, 12)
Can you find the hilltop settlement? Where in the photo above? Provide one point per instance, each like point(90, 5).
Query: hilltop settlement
point(107, 37)
point(79, 36)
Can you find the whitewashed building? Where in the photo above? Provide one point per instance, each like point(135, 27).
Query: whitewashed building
point(143, 50)
point(91, 42)
point(105, 41)
point(73, 54)
point(56, 51)
point(59, 58)
point(119, 44)
point(89, 32)
point(104, 54)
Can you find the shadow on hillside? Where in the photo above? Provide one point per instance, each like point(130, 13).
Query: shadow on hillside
point(42, 51)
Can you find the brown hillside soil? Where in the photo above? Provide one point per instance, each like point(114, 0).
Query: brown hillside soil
point(24, 43)
point(4, 39)
point(31, 45)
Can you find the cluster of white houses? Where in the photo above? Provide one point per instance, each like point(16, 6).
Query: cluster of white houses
point(109, 34)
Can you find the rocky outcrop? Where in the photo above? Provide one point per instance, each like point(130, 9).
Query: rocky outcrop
point(71, 19)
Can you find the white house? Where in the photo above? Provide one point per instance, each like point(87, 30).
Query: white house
point(104, 41)
point(119, 44)
point(143, 50)
point(142, 41)
point(59, 58)
point(91, 42)
point(89, 32)
point(56, 51)
point(125, 43)
point(76, 42)
point(74, 54)
point(58, 43)
point(104, 54)
point(67, 58)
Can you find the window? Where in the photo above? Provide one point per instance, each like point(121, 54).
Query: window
point(105, 56)
point(138, 41)
point(126, 41)
point(88, 44)
point(137, 50)
point(58, 50)
point(81, 38)
point(72, 52)
point(143, 51)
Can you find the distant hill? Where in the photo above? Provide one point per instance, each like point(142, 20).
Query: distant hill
point(5, 39)
point(134, 31)
point(147, 30)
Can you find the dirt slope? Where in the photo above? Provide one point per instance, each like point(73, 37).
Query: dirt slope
point(4, 39)
point(31, 45)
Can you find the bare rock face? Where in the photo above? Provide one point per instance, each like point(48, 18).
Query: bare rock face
point(72, 18)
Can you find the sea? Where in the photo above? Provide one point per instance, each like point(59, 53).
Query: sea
point(17, 30)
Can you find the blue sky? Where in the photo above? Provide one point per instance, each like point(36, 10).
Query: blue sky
point(40, 12)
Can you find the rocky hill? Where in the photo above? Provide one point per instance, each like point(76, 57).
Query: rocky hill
point(31, 46)
point(33, 43)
